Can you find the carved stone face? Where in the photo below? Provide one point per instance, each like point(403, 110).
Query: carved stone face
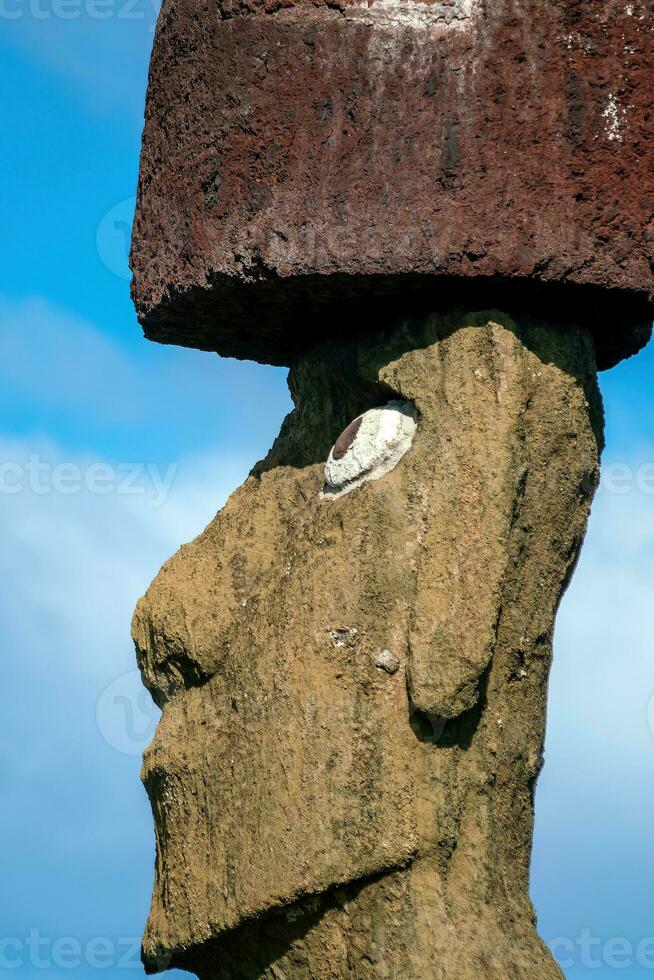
point(289, 758)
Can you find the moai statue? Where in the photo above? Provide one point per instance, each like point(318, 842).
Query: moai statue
point(439, 216)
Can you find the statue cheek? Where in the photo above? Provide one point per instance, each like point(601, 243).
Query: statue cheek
point(371, 446)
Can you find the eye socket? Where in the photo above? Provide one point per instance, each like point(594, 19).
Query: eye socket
point(370, 446)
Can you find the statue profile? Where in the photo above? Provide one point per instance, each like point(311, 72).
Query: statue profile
point(423, 210)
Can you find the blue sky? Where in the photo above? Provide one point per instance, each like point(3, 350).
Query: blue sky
point(79, 388)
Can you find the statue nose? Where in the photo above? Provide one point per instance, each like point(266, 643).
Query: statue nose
point(177, 637)
point(167, 666)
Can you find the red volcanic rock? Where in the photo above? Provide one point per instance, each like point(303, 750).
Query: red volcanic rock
point(301, 159)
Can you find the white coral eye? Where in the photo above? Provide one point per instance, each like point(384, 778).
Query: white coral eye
point(371, 446)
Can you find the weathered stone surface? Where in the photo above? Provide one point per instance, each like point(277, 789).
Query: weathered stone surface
point(320, 817)
point(301, 156)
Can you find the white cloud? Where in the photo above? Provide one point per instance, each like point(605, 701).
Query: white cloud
point(75, 822)
point(71, 362)
point(139, 397)
point(593, 855)
point(604, 651)
point(79, 560)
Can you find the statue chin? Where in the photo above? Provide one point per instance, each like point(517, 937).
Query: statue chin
point(352, 663)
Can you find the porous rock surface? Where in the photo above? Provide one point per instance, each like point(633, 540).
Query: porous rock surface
point(318, 816)
point(299, 155)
